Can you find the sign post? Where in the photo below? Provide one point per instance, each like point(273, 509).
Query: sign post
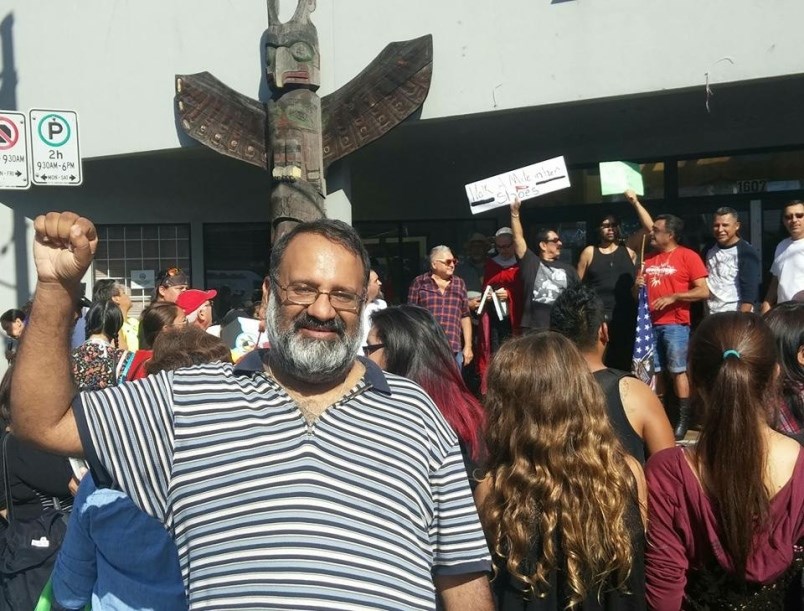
point(55, 155)
point(13, 151)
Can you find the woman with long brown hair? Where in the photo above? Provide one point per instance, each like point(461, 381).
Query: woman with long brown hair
point(727, 514)
point(561, 499)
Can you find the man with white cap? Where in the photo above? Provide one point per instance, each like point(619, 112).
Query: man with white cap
point(197, 306)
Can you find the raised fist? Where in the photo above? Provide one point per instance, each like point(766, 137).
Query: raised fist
point(64, 245)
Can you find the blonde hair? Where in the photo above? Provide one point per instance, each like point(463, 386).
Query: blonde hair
point(555, 467)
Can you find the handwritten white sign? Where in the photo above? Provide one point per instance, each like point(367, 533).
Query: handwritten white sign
point(530, 181)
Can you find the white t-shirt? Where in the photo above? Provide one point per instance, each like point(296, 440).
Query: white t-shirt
point(788, 267)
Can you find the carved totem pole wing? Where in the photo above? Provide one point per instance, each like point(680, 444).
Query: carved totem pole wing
point(220, 118)
point(378, 99)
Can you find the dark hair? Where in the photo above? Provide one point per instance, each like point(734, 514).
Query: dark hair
point(153, 319)
point(791, 203)
point(612, 218)
point(334, 231)
point(734, 393)
point(577, 314)
point(786, 320)
point(417, 348)
point(672, 224)
point(104, 317)
point(187, 347)
point(724, 210)
point(12, 315)
point(543, 234)
point(104, 290)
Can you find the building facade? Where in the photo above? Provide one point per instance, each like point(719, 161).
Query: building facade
point(705, 97)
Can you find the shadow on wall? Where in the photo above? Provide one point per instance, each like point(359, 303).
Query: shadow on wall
point(17, 279)
point(8, 75)
point(17, 229)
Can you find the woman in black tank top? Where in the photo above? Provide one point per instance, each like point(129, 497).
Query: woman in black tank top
point(609, 269)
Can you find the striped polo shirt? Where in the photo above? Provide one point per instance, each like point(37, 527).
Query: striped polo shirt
point(356, 511)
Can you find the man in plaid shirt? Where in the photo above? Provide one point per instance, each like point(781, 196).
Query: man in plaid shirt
point(444, 294)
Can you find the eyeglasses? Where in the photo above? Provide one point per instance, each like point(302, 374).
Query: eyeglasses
point(447, 261)
point(370, 349)
point(301, 294)
point(798, 215)
point(553, 240)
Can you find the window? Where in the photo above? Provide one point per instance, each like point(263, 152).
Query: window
point(741, 174)
point(123, 249)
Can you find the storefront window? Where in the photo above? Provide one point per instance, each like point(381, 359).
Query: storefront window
point(585, 187)
point(741, 174)
point(134, 254)
point(236, 258)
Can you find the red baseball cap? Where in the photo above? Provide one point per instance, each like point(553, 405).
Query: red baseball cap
point(192, 299)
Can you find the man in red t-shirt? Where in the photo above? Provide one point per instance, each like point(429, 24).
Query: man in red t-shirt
point(675, 277)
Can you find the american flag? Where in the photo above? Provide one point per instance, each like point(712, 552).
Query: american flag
point(642, 360)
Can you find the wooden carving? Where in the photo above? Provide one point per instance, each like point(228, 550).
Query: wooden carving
point(296, 135)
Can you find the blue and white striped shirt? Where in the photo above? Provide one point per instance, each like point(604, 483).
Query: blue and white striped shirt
point(357, 511)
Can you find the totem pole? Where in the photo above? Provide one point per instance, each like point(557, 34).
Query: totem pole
point(296, 135)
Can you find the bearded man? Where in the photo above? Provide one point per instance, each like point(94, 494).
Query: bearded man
point(304, 478)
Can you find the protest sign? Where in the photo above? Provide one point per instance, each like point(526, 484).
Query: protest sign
point(525, 183)
point(616, 177)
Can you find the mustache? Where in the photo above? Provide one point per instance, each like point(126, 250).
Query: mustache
point(310, 322)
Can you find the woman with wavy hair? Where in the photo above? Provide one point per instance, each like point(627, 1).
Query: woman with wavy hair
point(561, 501)
point(408, 341)
point(727, 515)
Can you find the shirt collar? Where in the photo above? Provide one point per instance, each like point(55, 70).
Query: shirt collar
point(253, 363)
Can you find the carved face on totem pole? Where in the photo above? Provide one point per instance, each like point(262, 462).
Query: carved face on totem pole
point(286, 134)
point(292, 58)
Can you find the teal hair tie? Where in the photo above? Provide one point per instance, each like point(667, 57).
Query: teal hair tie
point(729, 353)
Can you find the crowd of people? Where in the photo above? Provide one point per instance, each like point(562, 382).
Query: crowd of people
point(347, 464)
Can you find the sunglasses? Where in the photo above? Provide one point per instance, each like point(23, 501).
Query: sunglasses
point(553, 240)
point(171, 272)
point(370, 349)
point(790, 217)
point(448, 261)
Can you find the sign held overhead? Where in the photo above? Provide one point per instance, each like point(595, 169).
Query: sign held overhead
point(55, 154)
point(616, 177)
point(14, 153)
point(525, 183)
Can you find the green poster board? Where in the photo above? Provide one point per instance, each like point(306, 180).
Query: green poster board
point(618, 176)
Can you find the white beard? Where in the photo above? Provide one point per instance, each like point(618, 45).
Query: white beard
point(304, 358)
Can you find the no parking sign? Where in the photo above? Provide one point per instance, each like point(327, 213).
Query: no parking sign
point(13, 151)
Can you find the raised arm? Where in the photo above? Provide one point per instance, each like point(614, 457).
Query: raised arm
point(64, 245)
point(645, 219)
point(520, 245)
